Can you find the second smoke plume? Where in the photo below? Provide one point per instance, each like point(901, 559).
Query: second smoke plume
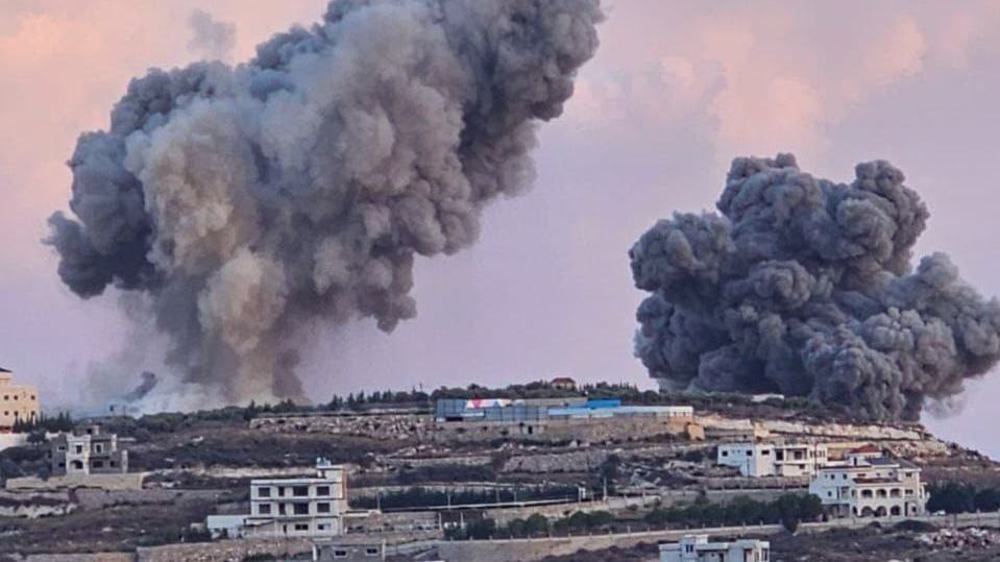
point(805, 287)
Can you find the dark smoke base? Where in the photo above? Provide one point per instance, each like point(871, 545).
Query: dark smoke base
point(805, 287)
point(247, 201)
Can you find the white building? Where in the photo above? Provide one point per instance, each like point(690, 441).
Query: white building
point(302, 507)
point(773, 459)
point(696, 548)
point(868, 484)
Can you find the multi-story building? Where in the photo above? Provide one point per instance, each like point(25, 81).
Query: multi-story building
point(87, 451)
point(868, 484)
point(18, 402)
point(697, 548)
point(300, 507)
point(773, 459)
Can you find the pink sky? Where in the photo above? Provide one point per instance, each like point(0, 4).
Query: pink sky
point(677, 89)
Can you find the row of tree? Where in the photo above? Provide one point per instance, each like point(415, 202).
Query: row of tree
point(787, 509)
point(423, 497)
point(61, 422)
point(957, 497)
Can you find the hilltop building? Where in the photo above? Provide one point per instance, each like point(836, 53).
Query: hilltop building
point(697, 548)
point(293, 507)
point(18, 402)
point(542, 409)
point(868, 484)
point(773, 459)
point(563, 383)
point(87, 451)
point(560, 419)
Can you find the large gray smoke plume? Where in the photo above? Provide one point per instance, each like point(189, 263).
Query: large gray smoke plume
point(303, 183)
point(805, 287)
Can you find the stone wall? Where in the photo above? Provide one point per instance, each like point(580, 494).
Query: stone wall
point(130, 481)
point(595, 430)
point(95, 557)
point(12, 440)
point(526, 550)
point(422, 427)
point(386, 426)
point(32, 505)
point(97, 499)
point(224, 551)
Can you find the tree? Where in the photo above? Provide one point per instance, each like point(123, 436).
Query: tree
point(987, 499)
point(952, 497)
point(251, 411)
point(537, 524)
point(481, 529)
point(37, 437)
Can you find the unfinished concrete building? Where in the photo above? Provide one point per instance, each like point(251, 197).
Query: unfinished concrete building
point(87, 451)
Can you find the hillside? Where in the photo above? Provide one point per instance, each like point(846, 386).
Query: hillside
point(201, 463)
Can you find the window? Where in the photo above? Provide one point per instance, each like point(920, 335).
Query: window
point(766, 453)
point(323, 507)
point(98, 448)
point(264, 509)
point(749, 453)
point(338, 553)
point(322, 490)
point(114, 464)
point(79, 449)
point(323, 527)
point(300, 491)
point(302, 526)
point(98, 464)
point(300, 508)
point(371, 551)
point(264, 491)
point(725, 453)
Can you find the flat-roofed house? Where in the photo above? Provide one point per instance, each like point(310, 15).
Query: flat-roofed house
point(697, 548)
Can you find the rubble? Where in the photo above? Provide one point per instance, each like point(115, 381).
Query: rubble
point(962, 539)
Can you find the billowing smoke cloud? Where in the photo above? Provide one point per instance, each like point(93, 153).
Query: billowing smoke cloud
point(246, 201)
point(210, 37)
point(805, 287)
point(146, 385)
